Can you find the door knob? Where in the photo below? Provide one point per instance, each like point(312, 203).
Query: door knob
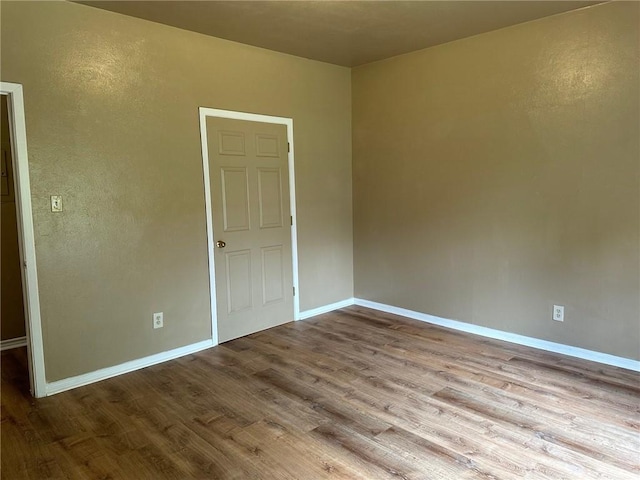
point(220, 244)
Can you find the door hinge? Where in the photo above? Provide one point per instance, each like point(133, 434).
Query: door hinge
point(294, 291)
point(288, 147)
point(291, 219)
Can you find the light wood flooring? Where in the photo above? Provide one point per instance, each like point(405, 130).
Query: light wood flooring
point(353, 394)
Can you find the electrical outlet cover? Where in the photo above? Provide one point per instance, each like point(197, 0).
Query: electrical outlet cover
point(558, 313)
point(158, 320)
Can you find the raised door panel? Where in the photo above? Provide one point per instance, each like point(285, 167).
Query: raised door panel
point(267, 145)
point(235, 198)
point(272, 274)
point(270, 197)
point(239, 279)
point(231, 143)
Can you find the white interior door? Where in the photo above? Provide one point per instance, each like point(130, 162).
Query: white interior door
point(249, 181)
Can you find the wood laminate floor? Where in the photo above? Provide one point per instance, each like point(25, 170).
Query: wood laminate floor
point(353, 394)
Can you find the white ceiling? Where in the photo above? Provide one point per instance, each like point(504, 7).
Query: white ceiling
point(346, 32)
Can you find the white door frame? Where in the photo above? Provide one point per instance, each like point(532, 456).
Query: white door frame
point(252, 117)
point(26, 237)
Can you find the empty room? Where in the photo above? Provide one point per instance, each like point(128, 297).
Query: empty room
point(320, 240)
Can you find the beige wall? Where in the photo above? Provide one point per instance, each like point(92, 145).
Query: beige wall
point(11, 306)
point(498, 175)
point(112, 125)
point(493, 176)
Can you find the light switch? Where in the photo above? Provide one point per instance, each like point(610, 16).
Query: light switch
point(56, 203)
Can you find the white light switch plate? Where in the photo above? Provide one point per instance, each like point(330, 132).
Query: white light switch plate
point(56, 203)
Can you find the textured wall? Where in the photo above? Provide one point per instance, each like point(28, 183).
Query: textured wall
point(112, 125)
point(498, 175)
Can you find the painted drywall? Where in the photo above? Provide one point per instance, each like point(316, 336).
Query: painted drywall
point(112, 125)
point(498, 175)
point(11, 306)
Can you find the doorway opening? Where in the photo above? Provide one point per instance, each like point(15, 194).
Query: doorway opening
point(13, 332)
point(18, 245)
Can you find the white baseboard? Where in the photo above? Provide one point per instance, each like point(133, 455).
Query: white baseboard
point(92, 377)
point(591, 355)
point(104, 373)
point(325, 308)
point(13, 343)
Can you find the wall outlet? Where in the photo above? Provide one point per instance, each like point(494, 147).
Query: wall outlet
point(158, 320)
point(558, 313)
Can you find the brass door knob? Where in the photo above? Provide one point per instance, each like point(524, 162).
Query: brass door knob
point(220, 244)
